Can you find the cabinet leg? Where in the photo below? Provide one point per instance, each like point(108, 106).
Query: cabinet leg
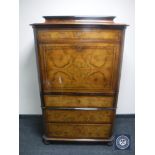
point(110, 143)
point(47, 142)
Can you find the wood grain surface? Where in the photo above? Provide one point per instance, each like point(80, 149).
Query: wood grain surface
point(78, 101)
point(79, 62)
point(87, 67)
point(60, 130)
point(48, 36)
point(79, 116)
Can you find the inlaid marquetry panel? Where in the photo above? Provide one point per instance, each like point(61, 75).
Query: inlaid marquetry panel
point(79, 116)
point(45, 36)
point(60, 130)
point(78, 101)
point(85, 67)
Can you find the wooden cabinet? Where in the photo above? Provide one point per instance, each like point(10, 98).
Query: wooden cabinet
point(79, 60)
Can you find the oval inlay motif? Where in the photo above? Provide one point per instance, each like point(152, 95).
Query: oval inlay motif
point(60, 79)
point(59, 58)
point(98, 59)
point(97, 79)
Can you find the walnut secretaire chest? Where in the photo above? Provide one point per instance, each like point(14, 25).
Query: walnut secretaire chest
point(79, 60)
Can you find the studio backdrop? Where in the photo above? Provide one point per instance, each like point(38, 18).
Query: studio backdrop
point(32, 11)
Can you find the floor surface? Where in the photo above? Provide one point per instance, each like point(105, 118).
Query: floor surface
point(31, 140)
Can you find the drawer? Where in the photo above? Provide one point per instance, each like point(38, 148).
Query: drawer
point(45, 36)
point(79, 116)
point(78, 101)
point(60, 130)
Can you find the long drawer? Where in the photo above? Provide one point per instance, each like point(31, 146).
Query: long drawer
point(79, 116)
point(78, 101)
point(45, 36)
point(64, 130)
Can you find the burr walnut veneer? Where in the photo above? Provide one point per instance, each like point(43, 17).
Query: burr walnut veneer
point(79, 61)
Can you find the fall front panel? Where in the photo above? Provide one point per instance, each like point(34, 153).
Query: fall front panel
point(88, 67)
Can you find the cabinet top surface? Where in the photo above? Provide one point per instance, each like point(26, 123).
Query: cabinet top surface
point(79, 20)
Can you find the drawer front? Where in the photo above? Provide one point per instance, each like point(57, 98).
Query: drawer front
point(78, 101)
point(58, 130)
point(79, 68)
point(79, 116)
point(46, 36)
